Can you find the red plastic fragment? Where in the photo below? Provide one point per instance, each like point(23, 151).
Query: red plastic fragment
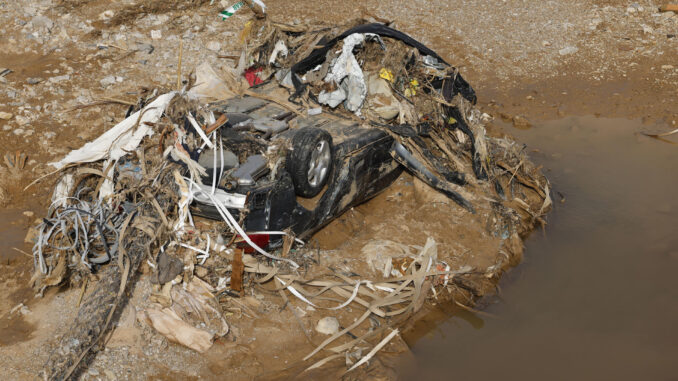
point(252, 76)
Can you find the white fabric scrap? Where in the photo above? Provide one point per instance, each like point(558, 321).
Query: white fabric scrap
point(122, 138)
point(279, 49)
point(346, 72)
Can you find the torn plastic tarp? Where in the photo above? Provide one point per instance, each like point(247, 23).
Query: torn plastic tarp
point(122, 138)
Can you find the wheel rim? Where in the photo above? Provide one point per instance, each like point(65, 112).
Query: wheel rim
point(319, 163)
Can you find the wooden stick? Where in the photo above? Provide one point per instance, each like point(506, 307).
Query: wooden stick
point(220, 122)
point(669, 8)
point(237, 271)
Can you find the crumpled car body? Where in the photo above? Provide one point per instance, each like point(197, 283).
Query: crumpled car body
point(360, 167)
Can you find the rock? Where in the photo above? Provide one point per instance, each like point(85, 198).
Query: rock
point(107, 81)
point(60, 78)
point(328, 325)
point(521, 122)
point(667, 67)
point(42, 22)
point(214, 46)
point(148, 48)
point(5, 115)
point(156, 34)
point(593, 25)
point(568, 50)
point(647, 29)
point(28, 213)
point(22, 120)
point(635, 8)
point(106, 15)
point(34, 80)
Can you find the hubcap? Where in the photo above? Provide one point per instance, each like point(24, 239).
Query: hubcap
point(320, 162)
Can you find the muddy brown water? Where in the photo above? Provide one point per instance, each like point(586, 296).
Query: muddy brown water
point(596, 296)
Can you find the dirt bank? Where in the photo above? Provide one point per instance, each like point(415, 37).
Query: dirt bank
point(528, 61)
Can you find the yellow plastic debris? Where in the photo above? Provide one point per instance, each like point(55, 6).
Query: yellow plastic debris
point(451, 120)
point(386, 74)
point(246, 31)
point(412, 90)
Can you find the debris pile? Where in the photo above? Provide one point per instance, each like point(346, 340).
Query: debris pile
point(231, 147)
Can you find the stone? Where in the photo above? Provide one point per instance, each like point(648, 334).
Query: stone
point(107, 81)
point(22, 120)
point(568, 50)
point(328, 325)
point(667, 67)
point(521, 122)
point(156, 34)
point(214, 46)
point(34, 80)
point(42, 22)
point(148, 48)
point(5, 115)
point(106, 15)
point(60, 78)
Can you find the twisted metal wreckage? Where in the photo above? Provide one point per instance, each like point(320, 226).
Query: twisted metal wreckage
point(129, 196)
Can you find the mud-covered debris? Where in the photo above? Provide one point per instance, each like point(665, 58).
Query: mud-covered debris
point(215, 187)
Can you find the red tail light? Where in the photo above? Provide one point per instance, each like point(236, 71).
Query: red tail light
point(261, 240)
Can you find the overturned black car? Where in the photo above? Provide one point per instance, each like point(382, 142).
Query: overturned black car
point(334, 162)
point(277, 170)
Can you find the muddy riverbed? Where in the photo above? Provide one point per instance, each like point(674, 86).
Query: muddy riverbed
point(595, 297)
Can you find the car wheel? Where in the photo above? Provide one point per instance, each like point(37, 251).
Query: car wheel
point(310, 160)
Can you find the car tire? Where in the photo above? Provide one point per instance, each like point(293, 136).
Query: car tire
point(310, 160)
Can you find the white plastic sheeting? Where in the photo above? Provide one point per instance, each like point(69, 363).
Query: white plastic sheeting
point(122, 138)
point(346, 73)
